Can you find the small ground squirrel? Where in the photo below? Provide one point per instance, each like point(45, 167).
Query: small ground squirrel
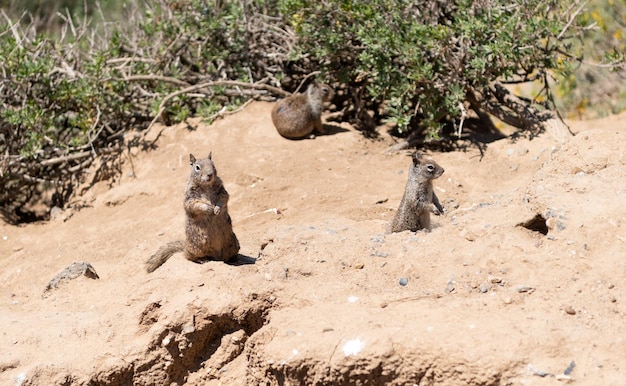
point(414, 211)
point(296, 116)
point(208, 227)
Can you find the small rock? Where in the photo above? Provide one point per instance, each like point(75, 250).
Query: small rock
point(359, 265)
point(71, 272)
point(378, 239)
point(166, 341)
point(237, 336)
point(537, 372)
point(569, 310)
point(188, 329)
point(453, 204)
point(19, 379)
point(569, 368)
point(450, 287)
point(484, 288)
point(57, 213)
point(403, 281)
point(524, 289)
point(468, 235)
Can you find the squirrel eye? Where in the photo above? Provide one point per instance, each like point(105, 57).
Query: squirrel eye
point(430, 167)
point(197, 168)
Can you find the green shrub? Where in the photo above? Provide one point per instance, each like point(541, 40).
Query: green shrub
point(71, 94)
point(425, 60)
point(58, 113)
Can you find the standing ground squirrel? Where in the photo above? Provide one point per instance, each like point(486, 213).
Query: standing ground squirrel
point(414, 211)
point(208, 227)
point(296, 116)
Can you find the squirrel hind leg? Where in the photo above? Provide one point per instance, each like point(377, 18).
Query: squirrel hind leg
point(424, 221)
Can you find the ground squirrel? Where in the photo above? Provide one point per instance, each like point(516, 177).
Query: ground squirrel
point(296, 116)
point(208, 227)
point(414, 211)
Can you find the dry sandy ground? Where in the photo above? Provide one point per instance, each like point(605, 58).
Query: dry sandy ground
point(316, 297)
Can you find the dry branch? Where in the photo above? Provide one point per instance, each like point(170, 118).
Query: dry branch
point(219, 83)
point(142, 78)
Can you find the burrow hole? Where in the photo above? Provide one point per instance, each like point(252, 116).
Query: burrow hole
point(536, 224)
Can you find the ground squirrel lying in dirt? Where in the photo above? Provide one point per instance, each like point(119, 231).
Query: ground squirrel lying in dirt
point(414, 211)
point(296, 116)
point(208, 227)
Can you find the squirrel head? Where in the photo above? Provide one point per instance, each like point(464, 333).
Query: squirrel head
point(321, 90)
point(202, 170)
point(429, 168)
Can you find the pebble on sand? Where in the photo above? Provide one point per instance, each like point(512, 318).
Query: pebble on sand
point(569, 310)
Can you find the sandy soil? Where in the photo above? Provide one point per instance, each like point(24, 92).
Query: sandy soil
point(316, 297)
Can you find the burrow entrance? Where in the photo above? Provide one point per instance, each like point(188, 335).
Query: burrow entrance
point(536, 224)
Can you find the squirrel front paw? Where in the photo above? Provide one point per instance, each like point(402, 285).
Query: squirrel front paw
point(437, 211)
point(217, 209)
point(204, 207)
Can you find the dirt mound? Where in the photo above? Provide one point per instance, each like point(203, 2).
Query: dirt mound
point(519, 283)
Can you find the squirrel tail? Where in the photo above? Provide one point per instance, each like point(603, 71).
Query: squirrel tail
point(163, 254)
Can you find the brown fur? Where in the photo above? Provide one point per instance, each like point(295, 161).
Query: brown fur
point(414, 211)
point(297, 116)
point(208, 227)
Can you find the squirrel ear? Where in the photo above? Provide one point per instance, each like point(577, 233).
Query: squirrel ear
point(192, 159)
point(417, 156)
point(210, 153)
